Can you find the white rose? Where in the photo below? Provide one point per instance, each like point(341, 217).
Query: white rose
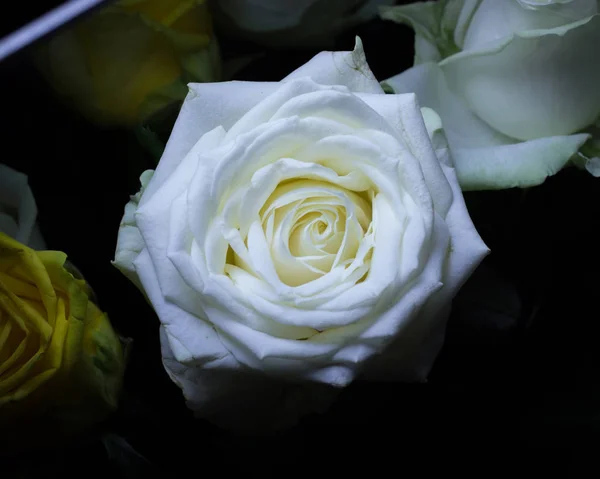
point(513, 81)
point(18, 211)
point(292, 23)
point(293, 231)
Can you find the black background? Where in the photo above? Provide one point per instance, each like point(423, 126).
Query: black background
point(510, 390)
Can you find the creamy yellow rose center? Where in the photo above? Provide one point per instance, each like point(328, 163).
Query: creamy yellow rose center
point(312, 227)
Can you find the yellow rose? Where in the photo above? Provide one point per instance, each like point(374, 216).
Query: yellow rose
point(59, 356)
point(128, 60)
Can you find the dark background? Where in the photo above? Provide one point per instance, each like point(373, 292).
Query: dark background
point(516, 385)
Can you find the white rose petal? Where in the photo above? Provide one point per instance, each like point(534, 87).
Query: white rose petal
point(483, 157)
point(494, 22)
point(531, 85)
point(18, 211)
point(516, 85)
point(296, 235)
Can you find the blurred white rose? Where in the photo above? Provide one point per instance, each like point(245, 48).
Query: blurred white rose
point(295, 235)
point(514, 82)
point(293, 23)
point(18, 211)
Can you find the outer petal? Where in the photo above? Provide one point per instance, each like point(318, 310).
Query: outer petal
point(495, 21)
point(242, 399)
point(484, 158)
point(462, 127)
point(18, 210)
point(533, 84)
point(404, 115)
point(340, 68)
point(207, 106)
point(520, 165)
point(129, 241)
point(191, 339)
point(411, 355)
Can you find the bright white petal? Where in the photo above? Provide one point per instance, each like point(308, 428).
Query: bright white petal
point(206, 107)
point(466, 251)
point(402, 329)
point(129, 240)
point(267, 109)
point(520, 165)
point(495, 21)
point(339, 106)
point(533, 85)
point(404, 113)
point(340, 68)
point(264, 352)
point(484, 158)
point(191, 338)
point(157, 217)
point(411, 356)
point(461, 126)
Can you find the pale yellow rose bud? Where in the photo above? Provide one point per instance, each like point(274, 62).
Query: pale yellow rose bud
point(129, 60)
point(61, 363)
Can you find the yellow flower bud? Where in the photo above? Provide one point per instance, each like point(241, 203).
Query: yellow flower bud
point(132, 58)
point(60, 359)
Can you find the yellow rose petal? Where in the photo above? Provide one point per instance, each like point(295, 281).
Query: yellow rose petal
point(20, 287)
point(104, 355)
point(24, 264)
point(12, 345)
point(28, 318)
point(5, 330)
point(53, 356)
point(53, 263)
point(26, 388)
point(21, 366)
point(57, 349)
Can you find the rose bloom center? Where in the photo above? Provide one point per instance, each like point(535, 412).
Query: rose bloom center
point(312, 227)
